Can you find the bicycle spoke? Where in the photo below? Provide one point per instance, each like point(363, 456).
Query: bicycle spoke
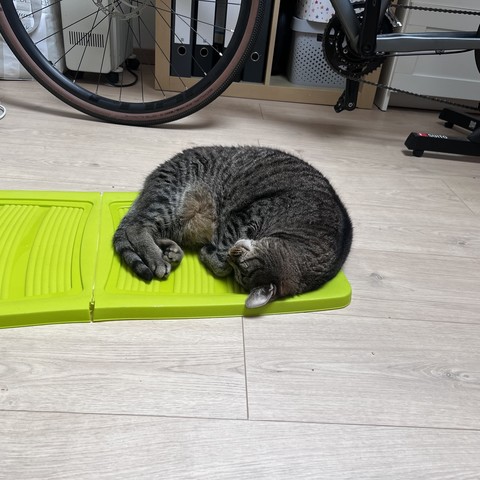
point(107, 74)
point(83, 39)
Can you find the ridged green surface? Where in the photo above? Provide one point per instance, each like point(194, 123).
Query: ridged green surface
point(45, 273)
point(57, 265)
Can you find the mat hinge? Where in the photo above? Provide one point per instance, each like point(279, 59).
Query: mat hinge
point(91, 309)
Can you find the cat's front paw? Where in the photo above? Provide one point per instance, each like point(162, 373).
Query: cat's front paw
point(173, 254)
point(215, 260)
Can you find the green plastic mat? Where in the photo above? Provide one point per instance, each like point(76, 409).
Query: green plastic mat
point(57, 265)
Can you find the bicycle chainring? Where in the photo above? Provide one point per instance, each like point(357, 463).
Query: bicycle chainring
point(350, 65)
point(341, 57)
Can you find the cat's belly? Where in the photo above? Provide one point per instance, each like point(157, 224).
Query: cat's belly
point(198, 217)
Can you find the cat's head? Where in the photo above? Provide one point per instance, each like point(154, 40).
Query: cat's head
point(265, 269)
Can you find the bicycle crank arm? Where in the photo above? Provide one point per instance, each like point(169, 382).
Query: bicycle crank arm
point(348, 99)
point(422, 42)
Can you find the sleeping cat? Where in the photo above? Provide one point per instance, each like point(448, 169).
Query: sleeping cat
point(266, 216)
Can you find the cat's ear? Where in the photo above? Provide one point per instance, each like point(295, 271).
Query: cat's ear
point(260, 296)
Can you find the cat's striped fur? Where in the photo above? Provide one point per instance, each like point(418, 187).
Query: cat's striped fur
point(263, 214)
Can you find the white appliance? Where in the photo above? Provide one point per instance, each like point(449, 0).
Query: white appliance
point(101, 41)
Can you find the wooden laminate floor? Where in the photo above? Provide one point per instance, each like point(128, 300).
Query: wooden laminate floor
point(388, 388)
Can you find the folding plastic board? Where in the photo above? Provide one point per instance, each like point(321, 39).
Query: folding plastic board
point(57, 265)
point(48, 245)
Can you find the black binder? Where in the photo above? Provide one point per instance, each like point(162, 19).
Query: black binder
point(204, 51)
point(181, 52)
point(254, 70)
point(233, 9)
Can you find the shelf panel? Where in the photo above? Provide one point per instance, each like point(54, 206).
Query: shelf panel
point(275, 88)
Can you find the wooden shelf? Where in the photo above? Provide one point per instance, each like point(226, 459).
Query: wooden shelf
point(276, 88)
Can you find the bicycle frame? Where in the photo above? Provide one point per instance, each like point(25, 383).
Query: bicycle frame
point(396, 42)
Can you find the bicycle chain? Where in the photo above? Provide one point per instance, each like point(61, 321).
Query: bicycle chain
point(419, 95)
point(436, 9)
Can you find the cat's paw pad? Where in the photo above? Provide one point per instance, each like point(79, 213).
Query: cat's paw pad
point(162, 271)
point(173, 254)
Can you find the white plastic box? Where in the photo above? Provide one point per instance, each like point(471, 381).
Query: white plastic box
point(314, 10)
point(307, 65)
point(44, 26)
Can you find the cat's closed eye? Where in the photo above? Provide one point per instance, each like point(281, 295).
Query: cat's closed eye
point(252, 230)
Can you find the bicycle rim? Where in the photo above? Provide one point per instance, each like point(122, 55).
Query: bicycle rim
point(80, 72)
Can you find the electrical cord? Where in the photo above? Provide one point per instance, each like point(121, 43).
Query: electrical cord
point(124, 85)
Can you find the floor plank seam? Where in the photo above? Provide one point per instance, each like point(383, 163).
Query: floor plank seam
point(250, 420)
point(130, 415)
point(459, 197)
point(345, 313)
point(383, 250)
point(419, 209)
point(262, 116)
point(368, 425)
point(412, 254)
point(245, 368)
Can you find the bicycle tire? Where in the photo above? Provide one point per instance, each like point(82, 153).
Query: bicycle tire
point(142, 113)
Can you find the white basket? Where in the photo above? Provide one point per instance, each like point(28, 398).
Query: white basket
point(307, 65)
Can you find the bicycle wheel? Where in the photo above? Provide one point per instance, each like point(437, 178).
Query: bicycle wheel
point(96, 72)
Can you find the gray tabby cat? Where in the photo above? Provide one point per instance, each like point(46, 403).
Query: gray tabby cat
point(265, 215)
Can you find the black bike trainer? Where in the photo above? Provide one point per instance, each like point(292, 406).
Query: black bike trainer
point(421, 142)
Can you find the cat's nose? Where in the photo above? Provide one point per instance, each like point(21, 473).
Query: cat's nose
point(246, 244)
point(236, 251)
point(240, 248)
